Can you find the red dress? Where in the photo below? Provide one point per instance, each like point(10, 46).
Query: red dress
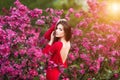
point(54, 50)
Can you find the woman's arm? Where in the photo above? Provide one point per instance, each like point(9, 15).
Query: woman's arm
point(51, 49)
point(50, 46)
point(49, 31)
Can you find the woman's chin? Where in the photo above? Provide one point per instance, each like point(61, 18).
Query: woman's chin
point(56, 36)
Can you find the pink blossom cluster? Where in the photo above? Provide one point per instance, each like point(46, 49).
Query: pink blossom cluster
point(95, 48)
point(94, 53)
point(21, 42)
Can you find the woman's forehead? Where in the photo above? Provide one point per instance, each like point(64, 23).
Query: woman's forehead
point(60, 26)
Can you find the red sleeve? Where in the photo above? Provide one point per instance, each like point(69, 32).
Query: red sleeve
point(49, 31)
point(51, 49)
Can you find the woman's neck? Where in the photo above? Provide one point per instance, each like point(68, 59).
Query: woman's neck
point(62, 40)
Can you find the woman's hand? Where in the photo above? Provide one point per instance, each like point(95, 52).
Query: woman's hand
point(51, 38)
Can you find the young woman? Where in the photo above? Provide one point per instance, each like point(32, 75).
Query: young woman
point(58, 47)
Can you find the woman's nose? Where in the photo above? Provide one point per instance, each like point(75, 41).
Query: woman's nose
point(56, 30)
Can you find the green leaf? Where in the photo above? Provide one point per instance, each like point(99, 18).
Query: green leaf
point(36, 78)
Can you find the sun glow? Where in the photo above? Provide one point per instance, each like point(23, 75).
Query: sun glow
point(114, 8)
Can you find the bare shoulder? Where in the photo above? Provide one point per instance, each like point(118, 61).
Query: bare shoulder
point(67, 45)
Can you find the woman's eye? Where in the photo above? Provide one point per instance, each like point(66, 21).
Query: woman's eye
point(60, 29)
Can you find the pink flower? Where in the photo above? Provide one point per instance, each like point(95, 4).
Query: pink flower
point(86, 43)
point(82, 71)
point(40, 22)
point(11, 33)
point(38, 53)
point(33, 72)
point(22, 52)
point(111, 39)
point(77, 32)
point(42, 77)
point(16, 54)
point(42, 17)
point(85, 57)
point(115, 53)
point(4, 50)
point(1, 26)
point(116, 75)
point(81, 65)
point(66, 79)
point(113, 60)
point(67, 18)
point(59, 12)
point(17, 66)
point(71, 56)
point(100, 46)
point(71, 10)
point(95, 66)
point(17, 3)
point(50, 10)
point(55, 19)
point(94, 49)
point(83, 24)
point(21, 8)
point(78, 15)
point(35, 13)
point(38, 11)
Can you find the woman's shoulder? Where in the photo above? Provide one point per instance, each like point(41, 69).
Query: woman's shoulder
point(57, 45)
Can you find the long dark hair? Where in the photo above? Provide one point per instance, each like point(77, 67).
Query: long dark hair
point(67, 30)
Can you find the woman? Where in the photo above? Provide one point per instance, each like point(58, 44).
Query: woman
point(58, 47)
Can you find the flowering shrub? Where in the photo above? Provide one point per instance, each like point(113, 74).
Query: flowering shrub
point(95, 49)
point(21, 42)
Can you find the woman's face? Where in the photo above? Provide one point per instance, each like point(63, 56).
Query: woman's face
point(59, 32)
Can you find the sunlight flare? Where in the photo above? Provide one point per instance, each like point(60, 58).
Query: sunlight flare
point(114, 8)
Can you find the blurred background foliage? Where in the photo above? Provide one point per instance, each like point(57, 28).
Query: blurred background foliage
point(62, 4)
point(43, 4)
